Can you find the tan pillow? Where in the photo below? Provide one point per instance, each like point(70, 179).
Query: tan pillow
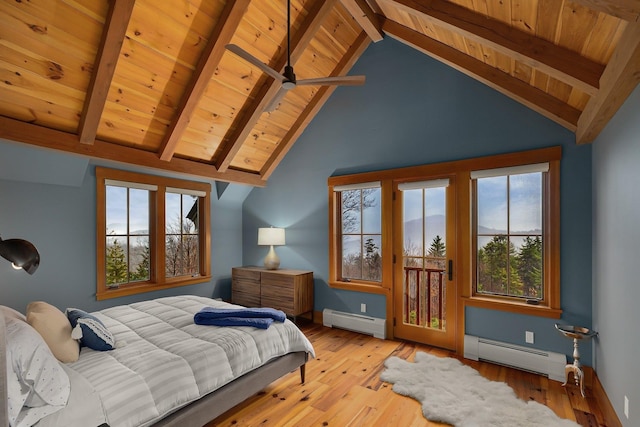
point(55, 328)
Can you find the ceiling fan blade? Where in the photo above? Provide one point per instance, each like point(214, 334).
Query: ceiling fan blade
point(273, 104)
point(255, 61)
point(338, 80)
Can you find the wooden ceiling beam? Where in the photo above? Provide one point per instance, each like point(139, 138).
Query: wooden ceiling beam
point(15, 130)
point(504, 83)
point(560, 63)
point(244, 123)
point(348, 60)
point(365, 17)
point(115, 29)
point(221, 35)
point(629, 10)
point(619, 80)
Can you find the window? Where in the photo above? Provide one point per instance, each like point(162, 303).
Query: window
point(360, 255)
point(127, 233)
point(505, 236)
point(515, 252)
point(508, 231)
point(152, 233)
point(361, 232)
point(182, 254)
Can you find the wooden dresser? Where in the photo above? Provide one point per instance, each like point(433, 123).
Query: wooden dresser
point(288, 290)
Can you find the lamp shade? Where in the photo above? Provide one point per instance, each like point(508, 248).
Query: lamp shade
point(270, 236)
point(21, 253)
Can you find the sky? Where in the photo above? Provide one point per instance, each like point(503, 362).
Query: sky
point(524, 214)
point(525, 202)
point(139, 208)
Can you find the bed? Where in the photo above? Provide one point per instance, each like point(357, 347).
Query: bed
point(165, 370)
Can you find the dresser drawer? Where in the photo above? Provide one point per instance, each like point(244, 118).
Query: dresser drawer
point(246, 274)
point(288, 290)
point(245, 299)
point(278, 295)
point(286, 305)
point(278, 283)
point(246, 286)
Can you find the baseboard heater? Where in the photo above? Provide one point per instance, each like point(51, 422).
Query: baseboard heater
point(354, 322)
point(528, 359)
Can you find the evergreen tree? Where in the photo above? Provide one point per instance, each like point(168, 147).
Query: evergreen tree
point(373, 261)
point(530, 266)
point(435, 257)
point(515, 284)
point(483, 278)
point(143, 268)
point(494, 263)
point(369, 247)
point(498, 267)
point(437, 248)
point(116, 264)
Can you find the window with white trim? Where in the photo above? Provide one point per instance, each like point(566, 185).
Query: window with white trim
point(152, 233)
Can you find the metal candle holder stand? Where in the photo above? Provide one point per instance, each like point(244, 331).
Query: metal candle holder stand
point(577, 333)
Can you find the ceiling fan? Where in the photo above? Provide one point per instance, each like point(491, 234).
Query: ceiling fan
point(288, 77)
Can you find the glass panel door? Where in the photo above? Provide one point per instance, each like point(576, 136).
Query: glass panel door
point(424, 293)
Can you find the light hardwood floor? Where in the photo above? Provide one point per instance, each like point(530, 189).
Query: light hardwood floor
point(343, 388)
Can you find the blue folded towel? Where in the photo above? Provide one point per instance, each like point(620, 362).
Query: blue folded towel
point(219, 313)
point(256, 322)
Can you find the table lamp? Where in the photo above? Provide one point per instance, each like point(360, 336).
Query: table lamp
point(271, 237)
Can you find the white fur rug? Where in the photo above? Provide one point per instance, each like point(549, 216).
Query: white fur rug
point(457, 394)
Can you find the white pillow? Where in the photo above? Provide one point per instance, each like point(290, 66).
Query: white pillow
point(37, 383)
point(17, 395)
point(9, 312)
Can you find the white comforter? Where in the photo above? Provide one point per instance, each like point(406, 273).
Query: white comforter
point(164, 361)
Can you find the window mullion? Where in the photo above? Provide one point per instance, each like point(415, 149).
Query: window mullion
point(508, 235)
point(361, 233)
point(128, 236)
point(161, 238)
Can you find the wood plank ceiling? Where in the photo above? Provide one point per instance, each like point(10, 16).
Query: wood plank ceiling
point(150, 82)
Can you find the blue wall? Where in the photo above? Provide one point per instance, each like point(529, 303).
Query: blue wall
point(52, 203)
point(616, 233)
point(414, 110)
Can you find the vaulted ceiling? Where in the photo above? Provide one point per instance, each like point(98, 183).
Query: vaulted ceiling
point(152, 83)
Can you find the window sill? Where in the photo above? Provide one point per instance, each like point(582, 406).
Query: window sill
point(360, 287)
point(512, 306)
point(126, 290)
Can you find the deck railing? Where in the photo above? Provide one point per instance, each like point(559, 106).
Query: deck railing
point(433, 297)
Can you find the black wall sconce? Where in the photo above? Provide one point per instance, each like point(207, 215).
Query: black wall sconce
point(21, 253)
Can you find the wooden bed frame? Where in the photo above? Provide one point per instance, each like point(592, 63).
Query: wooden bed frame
point(203, 410)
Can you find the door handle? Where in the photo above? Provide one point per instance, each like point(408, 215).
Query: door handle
point(450, 272)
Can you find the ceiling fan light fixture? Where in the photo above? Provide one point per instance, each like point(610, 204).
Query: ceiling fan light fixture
point(289, 81)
